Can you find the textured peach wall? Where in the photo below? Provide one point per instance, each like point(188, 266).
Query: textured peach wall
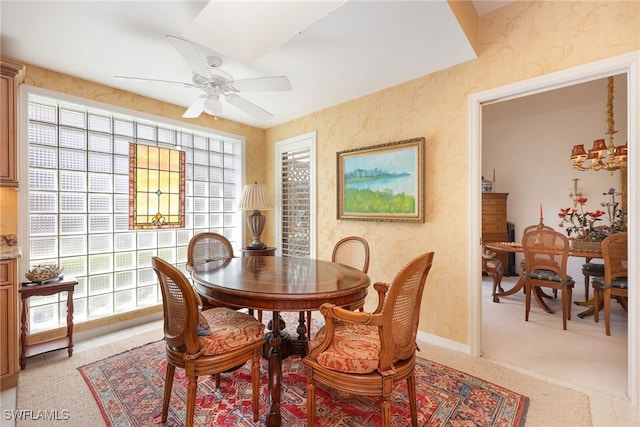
point(8, 211)
point(517, 42)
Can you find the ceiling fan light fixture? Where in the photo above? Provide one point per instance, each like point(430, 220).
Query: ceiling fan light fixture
point(212, 106)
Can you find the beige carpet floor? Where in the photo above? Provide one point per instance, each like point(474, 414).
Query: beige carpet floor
point(54, 384)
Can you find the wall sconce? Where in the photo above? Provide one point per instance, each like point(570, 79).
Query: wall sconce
point(255, 197)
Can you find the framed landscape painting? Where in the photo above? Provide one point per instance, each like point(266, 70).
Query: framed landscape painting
point(382, 182)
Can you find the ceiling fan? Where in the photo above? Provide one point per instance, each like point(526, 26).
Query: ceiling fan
point(214, 82)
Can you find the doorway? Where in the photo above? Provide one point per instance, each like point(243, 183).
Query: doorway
point(624, 64)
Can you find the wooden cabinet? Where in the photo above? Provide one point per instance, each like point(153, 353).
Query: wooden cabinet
point(494, 223)
point(12, 73)
point(8, 323)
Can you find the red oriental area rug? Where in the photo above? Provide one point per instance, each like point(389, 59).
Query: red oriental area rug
point(128, 388)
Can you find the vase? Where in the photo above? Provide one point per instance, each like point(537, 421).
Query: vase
point(586, 245)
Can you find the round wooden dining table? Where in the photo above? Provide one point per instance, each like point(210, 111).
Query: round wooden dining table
point(278, 284)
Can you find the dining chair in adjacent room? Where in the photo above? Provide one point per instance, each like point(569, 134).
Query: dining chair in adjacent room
point(205, 342)
point(545, 256)
point(615, 283)
point(527, 229)
point(494, 269)
point(589, 270)
point(365, 353)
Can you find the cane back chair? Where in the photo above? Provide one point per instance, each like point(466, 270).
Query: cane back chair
point(366, 353)
point(203, 248)
point(545, 256)
point(615, 283)
point(352, 251)
point(234, 338)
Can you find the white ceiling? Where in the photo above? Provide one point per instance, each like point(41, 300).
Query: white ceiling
point(330, 51)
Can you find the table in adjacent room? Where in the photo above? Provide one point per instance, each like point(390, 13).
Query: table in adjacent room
point(539, 295)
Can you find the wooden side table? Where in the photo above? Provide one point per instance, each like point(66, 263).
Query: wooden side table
point(51, 288)
point(270, 251)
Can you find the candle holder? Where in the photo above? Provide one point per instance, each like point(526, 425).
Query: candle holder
point(575, 195)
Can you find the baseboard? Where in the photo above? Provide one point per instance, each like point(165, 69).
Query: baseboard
point(442, 342)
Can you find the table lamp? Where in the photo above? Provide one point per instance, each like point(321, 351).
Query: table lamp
point(255, 197)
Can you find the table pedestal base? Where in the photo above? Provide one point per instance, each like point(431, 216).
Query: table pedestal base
point(538, 293)
point(285, 345)
point(289, 346)
point(274, 418)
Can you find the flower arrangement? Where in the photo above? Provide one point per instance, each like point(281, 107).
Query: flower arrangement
point(583, 225)
point(617, 218)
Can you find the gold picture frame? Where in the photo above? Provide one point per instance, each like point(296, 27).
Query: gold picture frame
point(382, 182)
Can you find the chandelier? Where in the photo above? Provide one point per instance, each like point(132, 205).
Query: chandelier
point(601, 156)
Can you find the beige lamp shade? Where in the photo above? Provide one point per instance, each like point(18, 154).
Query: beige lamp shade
point(256, 197)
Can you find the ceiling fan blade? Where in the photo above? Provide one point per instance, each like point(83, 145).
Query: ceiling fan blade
point(195, 109)
point(248, 107)
point(169, 82)
point(262, 84)
point(190, 53)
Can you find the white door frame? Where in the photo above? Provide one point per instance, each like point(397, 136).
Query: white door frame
point(627, 63)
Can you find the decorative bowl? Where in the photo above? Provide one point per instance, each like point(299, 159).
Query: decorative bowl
point(42, 272)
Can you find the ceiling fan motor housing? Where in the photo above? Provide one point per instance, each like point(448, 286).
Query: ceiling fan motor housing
point(212, 106)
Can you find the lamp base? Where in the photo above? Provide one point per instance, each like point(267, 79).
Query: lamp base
point(256, 222)
point(256, 246)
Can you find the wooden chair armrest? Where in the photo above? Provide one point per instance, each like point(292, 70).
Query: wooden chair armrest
point(333, 313)
point(382, 289)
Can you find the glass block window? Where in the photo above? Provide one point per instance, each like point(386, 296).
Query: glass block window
point(78, 201)
point(156, 187)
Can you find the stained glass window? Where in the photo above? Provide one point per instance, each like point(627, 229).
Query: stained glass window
point(156, 187)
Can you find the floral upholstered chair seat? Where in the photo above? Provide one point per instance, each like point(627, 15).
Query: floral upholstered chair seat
point(355, 348)
point(229, 329)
